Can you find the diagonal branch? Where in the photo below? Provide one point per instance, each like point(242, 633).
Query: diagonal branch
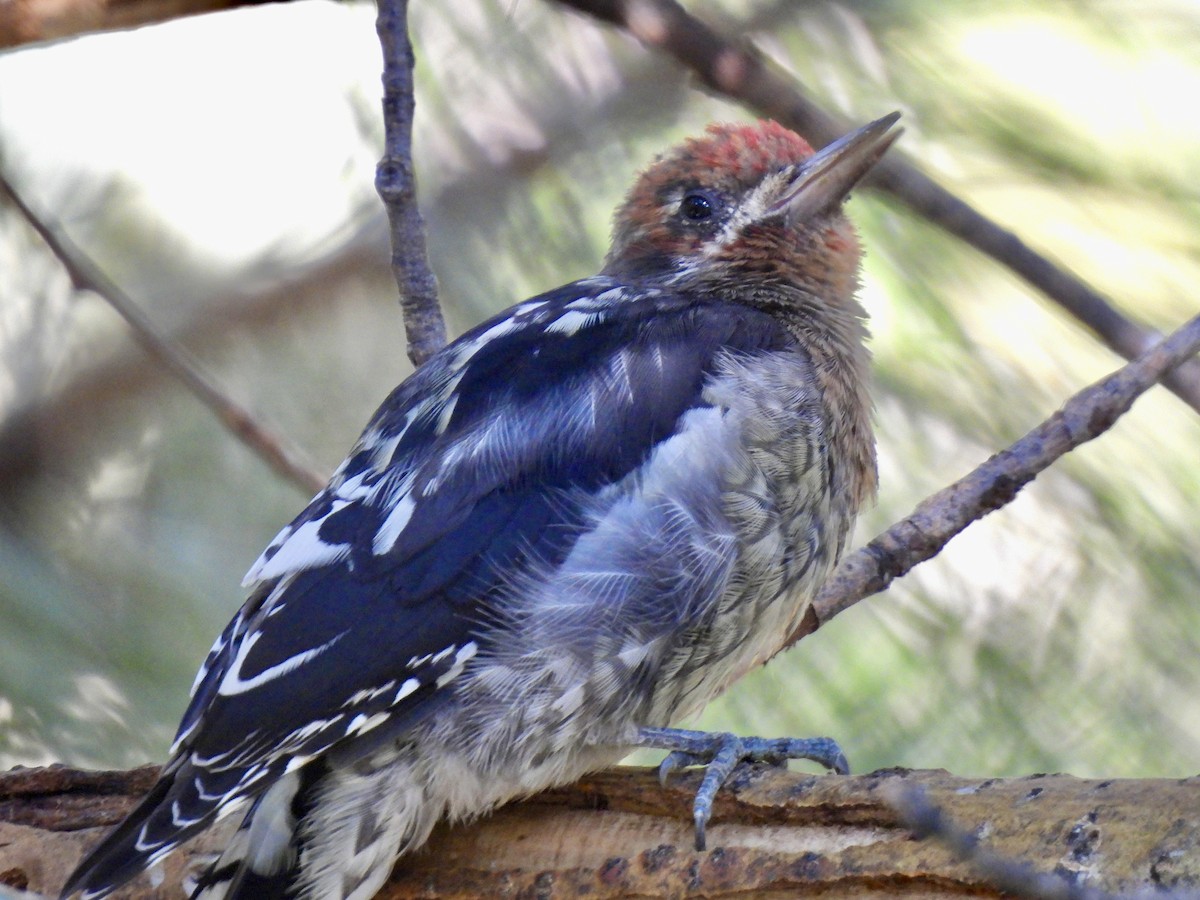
point(1015, 877)
point(245, 426)
point(737, 71)
point(996, 482)
point(397, 186)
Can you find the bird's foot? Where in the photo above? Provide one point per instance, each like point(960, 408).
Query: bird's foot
point(722, 752)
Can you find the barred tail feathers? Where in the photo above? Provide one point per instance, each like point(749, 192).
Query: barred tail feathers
point(323, 833)
point(260, 861)
point(164, 819)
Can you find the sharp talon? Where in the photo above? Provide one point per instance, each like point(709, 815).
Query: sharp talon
point(723, 753)
point(672, 763)
point(665, 770)
point(841, 765)
point(701, 837)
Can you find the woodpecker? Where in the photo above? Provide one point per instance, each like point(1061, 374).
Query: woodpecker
point(570, 529)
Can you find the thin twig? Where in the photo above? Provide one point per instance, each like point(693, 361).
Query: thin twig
point(924, 819)
point(245, 426)
point(993, 484)
point(396, 183)
point(739, 72)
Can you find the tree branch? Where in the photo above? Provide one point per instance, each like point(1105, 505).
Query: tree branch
point(243, 424)
point(1019, 879)
point(739, 72)
point(617, 834)
point(396, 183)
point(996, 482)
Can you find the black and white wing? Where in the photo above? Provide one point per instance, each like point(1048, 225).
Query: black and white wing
point(367, 606)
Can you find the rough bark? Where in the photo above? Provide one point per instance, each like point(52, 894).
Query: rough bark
point(617, 834)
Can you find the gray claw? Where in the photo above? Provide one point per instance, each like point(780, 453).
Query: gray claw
point(722, 753)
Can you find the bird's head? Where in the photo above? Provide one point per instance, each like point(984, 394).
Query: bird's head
point(749, 204)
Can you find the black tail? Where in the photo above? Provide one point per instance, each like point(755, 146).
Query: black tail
point(262, 860)
point(170, 814)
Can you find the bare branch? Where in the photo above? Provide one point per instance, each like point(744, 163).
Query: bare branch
point(1011, 875)
point(993, 484)
point(742, 74)
point(245, 426)
point(397, 186)
point(618, 834)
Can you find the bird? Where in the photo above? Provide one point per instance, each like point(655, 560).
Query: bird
point(566, 532)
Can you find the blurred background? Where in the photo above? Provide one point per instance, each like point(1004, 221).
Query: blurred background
point(220, 169)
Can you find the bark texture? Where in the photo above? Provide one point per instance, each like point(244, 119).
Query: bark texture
point(617, 834)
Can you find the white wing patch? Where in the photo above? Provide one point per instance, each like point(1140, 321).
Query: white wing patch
point(405, 689)
point(233, 683)
point(361, 724)
point(301, 549)
point(574, 320)
point(389, 532)
point(465, 653)
point(482, 340)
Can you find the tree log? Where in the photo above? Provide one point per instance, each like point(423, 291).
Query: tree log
point(617, 834)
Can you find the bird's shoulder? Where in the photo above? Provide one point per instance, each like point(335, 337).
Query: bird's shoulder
point(569, 389)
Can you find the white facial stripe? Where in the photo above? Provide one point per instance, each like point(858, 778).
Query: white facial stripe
point(752, 209)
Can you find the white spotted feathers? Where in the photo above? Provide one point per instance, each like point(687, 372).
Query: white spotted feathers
point(368, 476)
point(582, 519)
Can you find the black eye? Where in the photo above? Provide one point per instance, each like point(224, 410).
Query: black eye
point(698, 207)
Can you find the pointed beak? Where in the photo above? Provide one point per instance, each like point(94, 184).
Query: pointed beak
point(824, 180)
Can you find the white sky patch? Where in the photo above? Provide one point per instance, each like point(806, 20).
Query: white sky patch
point(97, 699)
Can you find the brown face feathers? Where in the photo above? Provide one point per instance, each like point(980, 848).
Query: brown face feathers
point(739, 171)
point(724, 165)
point(748, 250)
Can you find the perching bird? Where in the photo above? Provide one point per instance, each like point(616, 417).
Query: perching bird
point(569, 529)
